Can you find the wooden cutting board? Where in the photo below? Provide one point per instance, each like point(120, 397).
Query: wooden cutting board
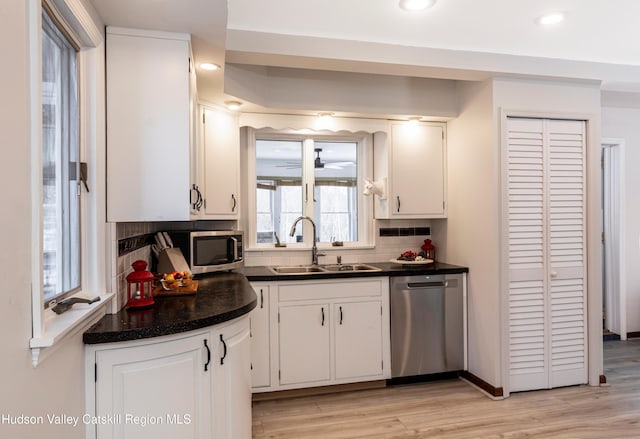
point(192, 288)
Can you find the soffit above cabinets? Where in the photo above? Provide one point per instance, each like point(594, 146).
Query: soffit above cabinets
point(455, 40)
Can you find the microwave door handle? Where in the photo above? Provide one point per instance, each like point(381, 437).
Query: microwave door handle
point(235, 248)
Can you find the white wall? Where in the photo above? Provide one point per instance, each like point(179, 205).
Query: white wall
point(619, 122)
point(317, 90)
point(472, 226)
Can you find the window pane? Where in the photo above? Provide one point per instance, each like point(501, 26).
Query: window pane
point(60, 200)
point(279, 188)
point(336, 209)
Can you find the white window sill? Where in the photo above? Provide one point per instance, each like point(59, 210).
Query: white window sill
point(298, 247)
point(58, 328)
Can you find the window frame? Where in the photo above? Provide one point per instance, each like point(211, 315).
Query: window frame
point(50, 330)
point(364, 143)
point(80, 152)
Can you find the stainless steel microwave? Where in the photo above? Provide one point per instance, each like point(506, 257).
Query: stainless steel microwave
point(209, 251)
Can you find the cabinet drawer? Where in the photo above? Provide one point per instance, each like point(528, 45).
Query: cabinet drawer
point(325, 290)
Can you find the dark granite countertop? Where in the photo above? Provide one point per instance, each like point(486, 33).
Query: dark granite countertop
point(262, 273)
point(221, 297)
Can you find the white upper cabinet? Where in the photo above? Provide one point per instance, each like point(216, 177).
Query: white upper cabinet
point(413, 161)
point(221, 164)
point(150, 100)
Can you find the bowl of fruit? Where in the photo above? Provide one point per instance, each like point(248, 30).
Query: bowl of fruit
point(175, 279)
point(410, 257)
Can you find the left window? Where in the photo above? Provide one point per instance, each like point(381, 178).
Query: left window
point(61, 209)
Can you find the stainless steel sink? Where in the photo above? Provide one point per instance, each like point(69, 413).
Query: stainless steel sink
point(297, 269)
point(315, 269)
point(350, 267)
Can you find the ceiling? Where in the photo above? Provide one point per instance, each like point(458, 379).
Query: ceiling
point(456, 39)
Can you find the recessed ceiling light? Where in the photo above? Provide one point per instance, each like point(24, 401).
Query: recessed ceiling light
point(209, 66)
point(416, 5)
point(325, 115)
point(551, 18)
point(233, 105)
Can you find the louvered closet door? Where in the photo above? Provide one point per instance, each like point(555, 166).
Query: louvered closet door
point(545, 197)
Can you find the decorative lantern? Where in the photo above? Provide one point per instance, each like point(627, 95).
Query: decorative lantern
point(139, 286)
point(429, 250)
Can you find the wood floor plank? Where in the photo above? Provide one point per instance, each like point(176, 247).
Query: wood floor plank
point(453, 409)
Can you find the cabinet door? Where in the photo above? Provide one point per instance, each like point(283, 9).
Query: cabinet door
point(546, 253)
point(232, 382)
point(160, 390)
point(260, 339)
point(221, 164)
point(418, 171)
point(148, 131)
point(358, 339)
point(304, 334)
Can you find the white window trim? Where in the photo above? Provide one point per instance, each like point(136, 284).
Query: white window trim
point(48, 328)
point(365, 204)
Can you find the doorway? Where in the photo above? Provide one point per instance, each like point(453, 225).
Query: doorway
point(613, 251)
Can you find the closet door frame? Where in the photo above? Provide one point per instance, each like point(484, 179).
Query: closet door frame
point(593, 228)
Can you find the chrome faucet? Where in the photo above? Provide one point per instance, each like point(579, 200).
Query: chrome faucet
point(314, 248)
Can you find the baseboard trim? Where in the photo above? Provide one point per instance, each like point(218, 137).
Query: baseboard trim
point(634, 334)
point(322, 390)
point(496, 392)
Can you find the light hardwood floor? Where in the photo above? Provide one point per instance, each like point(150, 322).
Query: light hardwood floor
point(454, 409)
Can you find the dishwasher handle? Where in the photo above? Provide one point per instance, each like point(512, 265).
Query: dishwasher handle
point(423, 285)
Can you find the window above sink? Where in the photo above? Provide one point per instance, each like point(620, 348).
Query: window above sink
point(318, 174)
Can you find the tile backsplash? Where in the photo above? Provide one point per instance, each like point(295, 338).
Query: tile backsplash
point(392, 237)
point(132, 242)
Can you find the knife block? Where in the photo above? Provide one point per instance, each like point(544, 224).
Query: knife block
point(172, 259)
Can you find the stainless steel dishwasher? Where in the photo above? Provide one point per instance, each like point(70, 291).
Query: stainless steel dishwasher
point(427, 324)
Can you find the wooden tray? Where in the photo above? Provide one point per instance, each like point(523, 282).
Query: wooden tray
point(192, 288)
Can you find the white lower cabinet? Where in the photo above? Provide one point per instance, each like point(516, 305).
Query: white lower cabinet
point(325, 332)
point(260, 343)
point(304, 340)
point(186, 385)
point(358, 344)
point(232, 383)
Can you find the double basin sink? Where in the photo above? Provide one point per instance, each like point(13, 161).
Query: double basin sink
point(316, 269)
